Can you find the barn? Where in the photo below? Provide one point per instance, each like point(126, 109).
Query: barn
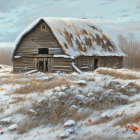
point(66, 45)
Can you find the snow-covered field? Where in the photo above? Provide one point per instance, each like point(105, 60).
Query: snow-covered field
point(100, 105)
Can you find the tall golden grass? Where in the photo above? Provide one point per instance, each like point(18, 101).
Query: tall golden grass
point(117, 74)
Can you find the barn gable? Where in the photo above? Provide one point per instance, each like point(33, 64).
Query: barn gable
point(38, 38)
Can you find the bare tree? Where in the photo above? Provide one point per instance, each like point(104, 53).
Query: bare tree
point(132, 49)
point(6, 55)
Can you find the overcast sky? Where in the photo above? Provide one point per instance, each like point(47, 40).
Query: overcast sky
point(113, 16)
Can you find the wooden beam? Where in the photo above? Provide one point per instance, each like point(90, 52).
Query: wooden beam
point(44, 65)
point(38, 55)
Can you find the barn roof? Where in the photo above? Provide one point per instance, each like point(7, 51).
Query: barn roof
point(77, 37)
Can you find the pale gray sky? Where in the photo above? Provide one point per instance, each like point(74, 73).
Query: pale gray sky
point(113, 16)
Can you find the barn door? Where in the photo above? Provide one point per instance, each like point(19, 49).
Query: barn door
point(95, 63)
point(42, 64)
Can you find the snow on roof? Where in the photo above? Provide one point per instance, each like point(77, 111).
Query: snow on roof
point(77, 37)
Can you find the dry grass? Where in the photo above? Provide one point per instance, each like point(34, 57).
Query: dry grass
point(135, 69)
point(17, 100)
point(15, 79)
point(26, 125)
point(89, 136)
point(40, 86)
point(135, 100)
point(2, 109)
point(21, 110)
point(126, 120)
point(102, 120)
point(80, 116)
point(116, 74)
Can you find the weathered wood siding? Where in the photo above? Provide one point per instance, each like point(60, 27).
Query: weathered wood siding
point(38, 38)
point(86, 63)
point(61, 64)
point(111, 61)
point(23, 64)
point(32, 41)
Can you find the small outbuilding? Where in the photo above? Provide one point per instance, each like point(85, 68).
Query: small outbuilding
point(66, 45)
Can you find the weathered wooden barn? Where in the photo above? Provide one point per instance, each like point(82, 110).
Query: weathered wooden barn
point(64, 44)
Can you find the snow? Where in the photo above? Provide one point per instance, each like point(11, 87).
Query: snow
point(61, 94)
point(76, 68)
point(64, 134)
point(33, 112)
point(5, 70)
point(74, 107)
point(29, 72)
point(80, 97)
point(82, 82)
point(76, 29)
point(46, 78)
point(6, 121)
point(17, 56)
point(12, 127)
point(96, 91)
point(64, 56)
point(69, 123)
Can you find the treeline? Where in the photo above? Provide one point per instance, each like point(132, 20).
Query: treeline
point(6, 51)
point(131, 48)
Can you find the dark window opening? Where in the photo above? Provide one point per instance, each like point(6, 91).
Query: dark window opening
point(43, 51)
point(95, 63)
point(43, 27)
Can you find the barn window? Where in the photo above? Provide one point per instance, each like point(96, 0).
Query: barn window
point(43, 51)
point(43, 27)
